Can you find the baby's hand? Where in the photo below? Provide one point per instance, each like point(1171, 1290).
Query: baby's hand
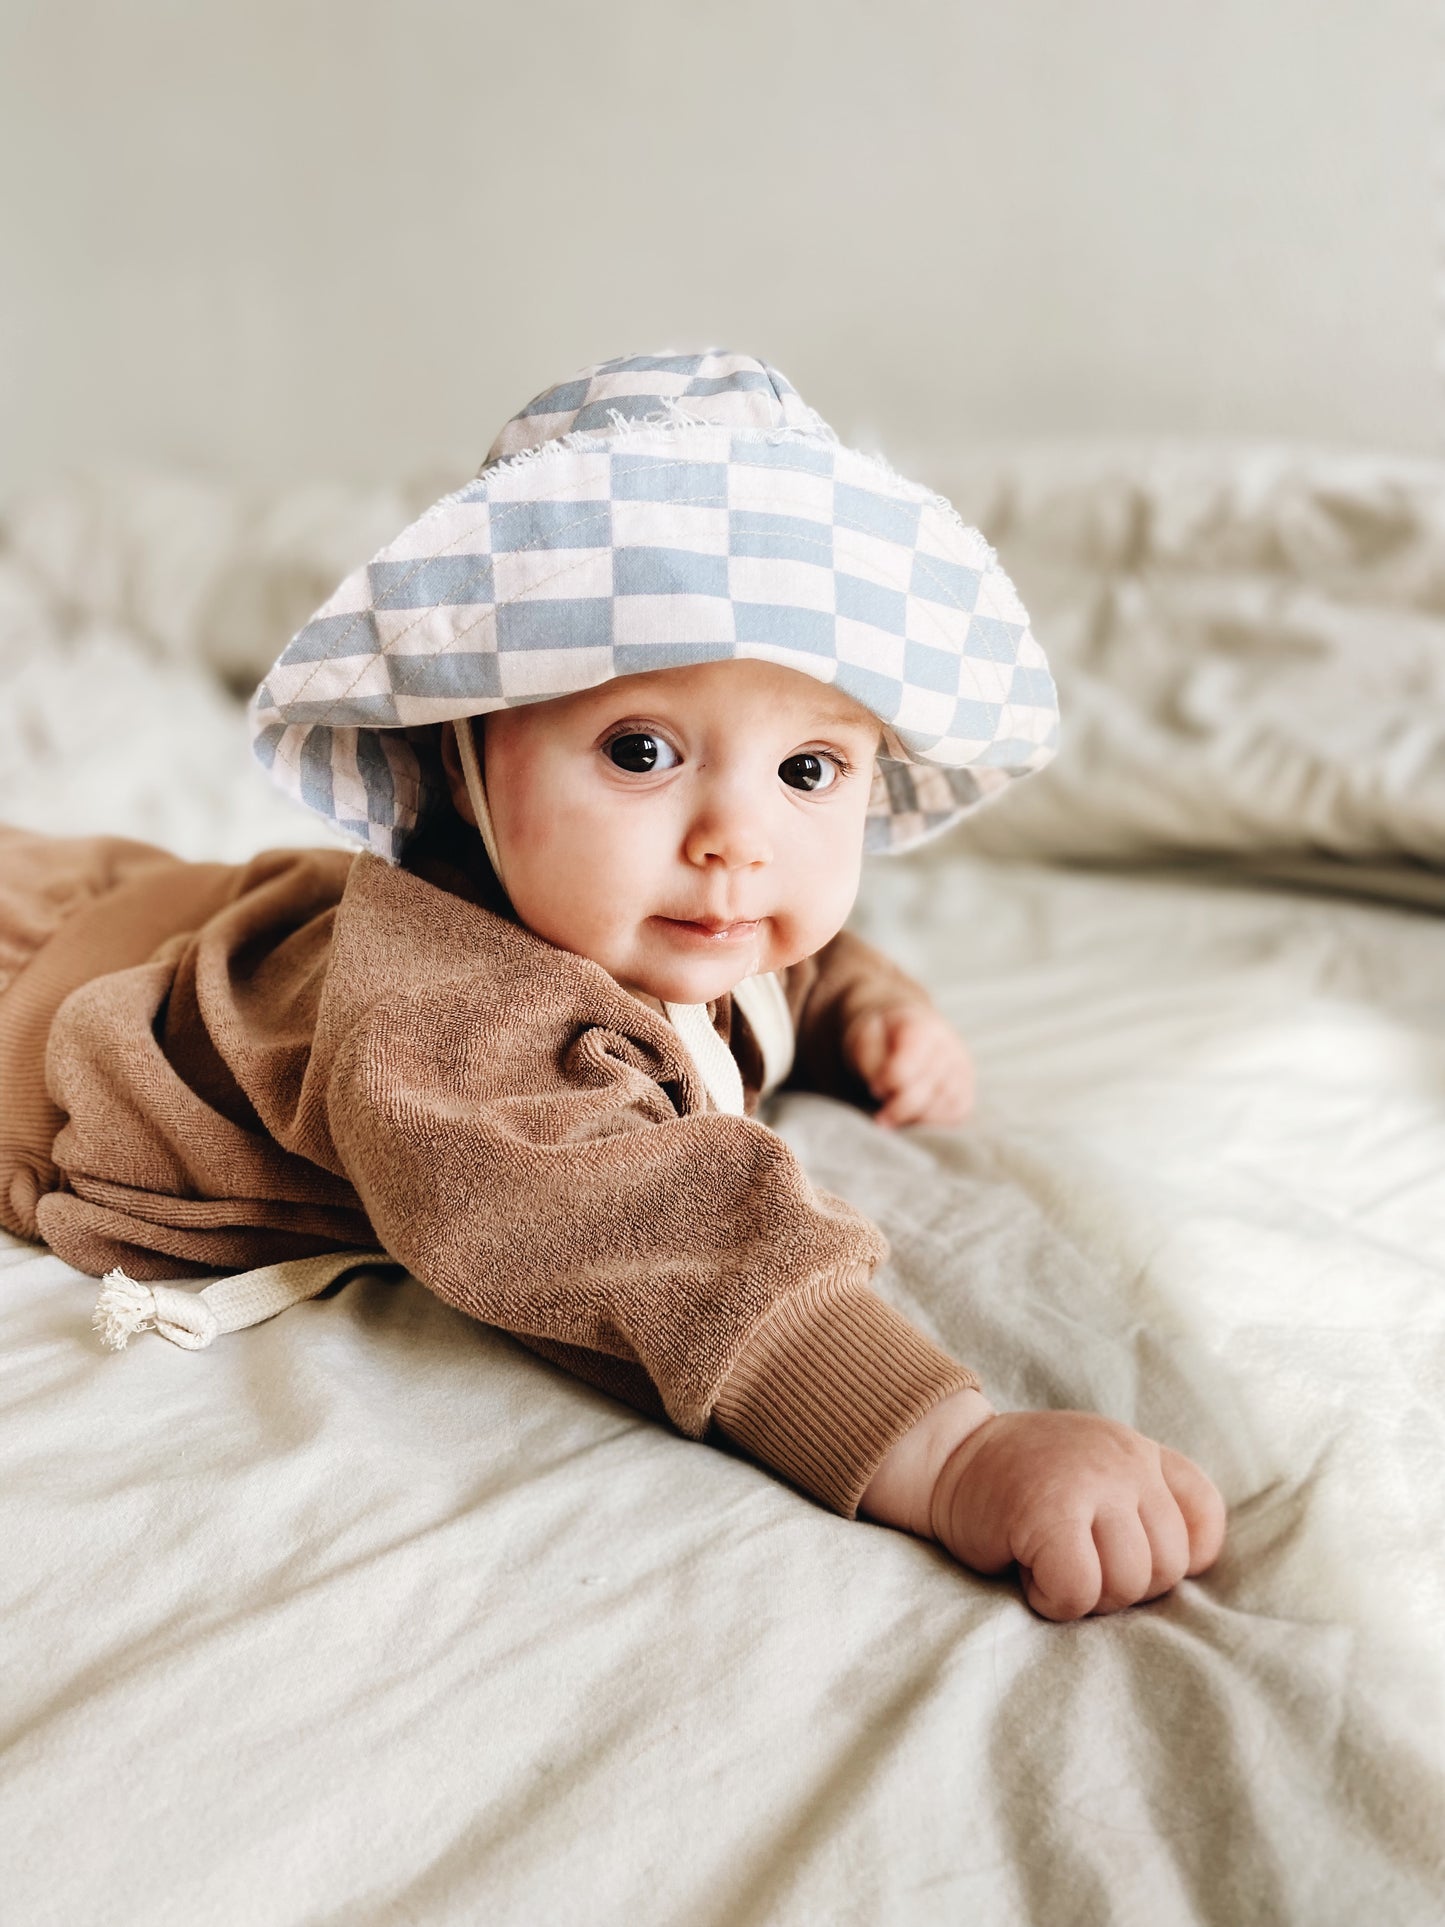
point(914, 1062)
point(1096, 1515)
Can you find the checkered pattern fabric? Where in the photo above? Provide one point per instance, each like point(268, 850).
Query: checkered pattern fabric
point(666, 510)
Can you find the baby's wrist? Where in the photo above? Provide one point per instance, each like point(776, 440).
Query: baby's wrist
point(900, 1492)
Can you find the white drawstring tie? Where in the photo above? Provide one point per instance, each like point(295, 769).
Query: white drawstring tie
point(192, 1319)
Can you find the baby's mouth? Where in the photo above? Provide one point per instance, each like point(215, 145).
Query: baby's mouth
point(709, 930)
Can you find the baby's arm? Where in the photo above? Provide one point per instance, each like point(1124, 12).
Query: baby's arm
point(1096, 1515)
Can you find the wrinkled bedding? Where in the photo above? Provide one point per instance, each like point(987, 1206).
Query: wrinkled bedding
point(365, 1615)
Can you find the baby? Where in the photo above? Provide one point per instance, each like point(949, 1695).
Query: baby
point(615, 723)
point(689, 828)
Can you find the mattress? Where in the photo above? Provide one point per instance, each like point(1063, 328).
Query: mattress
point(367, 1615)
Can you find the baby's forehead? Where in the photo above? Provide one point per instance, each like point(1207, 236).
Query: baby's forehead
point(746, 689)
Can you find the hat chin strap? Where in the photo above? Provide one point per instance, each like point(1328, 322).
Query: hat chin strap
point(477, 791)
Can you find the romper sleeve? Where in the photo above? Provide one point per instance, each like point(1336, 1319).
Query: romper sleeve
point(581, 1196)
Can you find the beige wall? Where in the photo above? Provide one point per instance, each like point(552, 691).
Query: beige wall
point(285, 238)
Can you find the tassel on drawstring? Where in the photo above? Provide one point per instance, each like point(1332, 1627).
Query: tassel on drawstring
point(126, 1307)
point(123, 1308)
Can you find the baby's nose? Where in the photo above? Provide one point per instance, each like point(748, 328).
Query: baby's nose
point(729, 835)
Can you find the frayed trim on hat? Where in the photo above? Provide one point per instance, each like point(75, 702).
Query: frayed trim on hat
point(674, 420)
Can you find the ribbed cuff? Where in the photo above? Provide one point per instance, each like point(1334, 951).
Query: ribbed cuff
point(834, 1379)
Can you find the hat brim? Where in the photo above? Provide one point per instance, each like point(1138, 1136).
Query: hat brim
point(658, 546)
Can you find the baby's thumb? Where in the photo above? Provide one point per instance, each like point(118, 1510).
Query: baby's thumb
point(1199, 1499)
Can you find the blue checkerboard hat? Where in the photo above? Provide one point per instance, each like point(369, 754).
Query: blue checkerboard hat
point(653, 512)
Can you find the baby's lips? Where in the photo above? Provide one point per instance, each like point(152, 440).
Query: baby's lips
point(707, 920)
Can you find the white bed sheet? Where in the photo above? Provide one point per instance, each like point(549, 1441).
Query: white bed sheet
point(368, 1616)
point(365, 1615)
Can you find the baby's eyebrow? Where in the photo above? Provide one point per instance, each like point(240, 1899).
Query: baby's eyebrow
point(834, 719)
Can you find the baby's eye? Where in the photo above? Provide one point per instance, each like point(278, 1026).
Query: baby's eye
point(808, 772)
point(641, 753)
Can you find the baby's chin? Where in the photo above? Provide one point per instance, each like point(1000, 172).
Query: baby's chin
point(684, 987)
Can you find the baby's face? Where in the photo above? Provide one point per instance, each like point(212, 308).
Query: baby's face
point(684, 828)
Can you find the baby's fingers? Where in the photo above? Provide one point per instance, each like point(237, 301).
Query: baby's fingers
point(1065, 1580)
point(1201, 1504)
point(1168, 1537)
point(915, 1102)
point(1126, 1559)
point(910, 1057)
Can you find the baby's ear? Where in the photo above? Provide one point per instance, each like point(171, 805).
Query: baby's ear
point(456, 776)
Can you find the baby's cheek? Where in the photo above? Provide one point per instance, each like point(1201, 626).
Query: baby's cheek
point(782, 947)
point(814, 889)
point(793, 938)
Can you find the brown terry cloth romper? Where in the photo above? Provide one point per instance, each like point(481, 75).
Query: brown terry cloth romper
point(76, 909)
point(92, 904)
point(210, 1067)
